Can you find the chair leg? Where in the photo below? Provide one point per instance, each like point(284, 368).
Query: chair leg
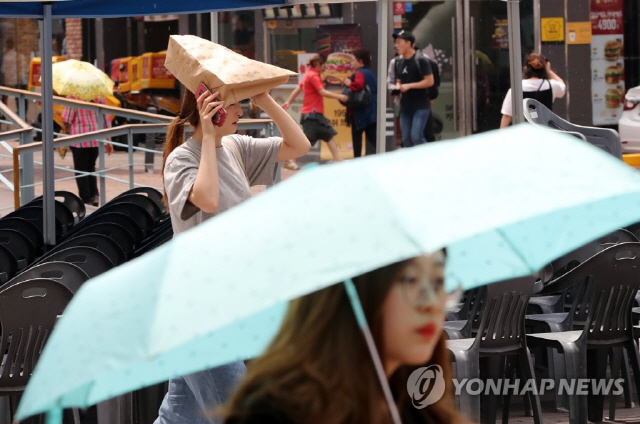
point(616, 363)
point(634, 357)
point(557, 363)
point(506, 399)
point(575, 358)
point(76, 415)
point(468, 405)
point(534, 398)
point(596, 369)
point(494, 369)
point(626, 372)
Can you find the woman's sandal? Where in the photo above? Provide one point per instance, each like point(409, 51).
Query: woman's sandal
point(291, 165)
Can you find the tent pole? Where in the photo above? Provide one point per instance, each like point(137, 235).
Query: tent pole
point(214, 27)
point(383, 34)
point(48, 186)
point(515, 60)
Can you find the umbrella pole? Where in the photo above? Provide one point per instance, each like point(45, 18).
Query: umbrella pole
point(515, 59)
point(54, 416)
point(364, 326)
point(48, 183)
point(383, 34)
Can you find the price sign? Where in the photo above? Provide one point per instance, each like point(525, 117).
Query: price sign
point(607, 17)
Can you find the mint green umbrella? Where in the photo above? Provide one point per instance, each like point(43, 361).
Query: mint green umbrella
point(504, 203)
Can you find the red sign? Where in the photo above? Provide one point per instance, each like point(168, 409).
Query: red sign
point(398, 8)
point(607, 17)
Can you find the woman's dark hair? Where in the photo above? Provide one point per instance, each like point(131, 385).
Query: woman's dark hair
point(535, 66)
point(318, 369)
point(363, 56)
point(175, 133)
point(315, 59)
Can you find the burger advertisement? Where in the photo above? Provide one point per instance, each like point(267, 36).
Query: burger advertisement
point(607, 60)
point(336, 43)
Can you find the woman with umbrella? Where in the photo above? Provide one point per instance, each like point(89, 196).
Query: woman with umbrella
point(318, 368)
point(82, 81)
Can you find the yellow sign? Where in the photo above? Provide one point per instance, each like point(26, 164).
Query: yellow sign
point(552, 29)
point(336, 113)
point(578, 32)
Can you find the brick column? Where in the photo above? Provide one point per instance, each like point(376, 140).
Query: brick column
point(73, 35)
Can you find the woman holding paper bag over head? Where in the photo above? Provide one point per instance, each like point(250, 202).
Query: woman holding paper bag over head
point(211, 172)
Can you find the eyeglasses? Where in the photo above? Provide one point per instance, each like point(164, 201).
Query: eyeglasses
point(422, 292)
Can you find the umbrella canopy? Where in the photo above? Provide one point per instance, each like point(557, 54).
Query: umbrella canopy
point(504, 203)
point(81, 79)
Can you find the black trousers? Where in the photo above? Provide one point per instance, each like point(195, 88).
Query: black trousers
point(84, 159)
point(370, 138)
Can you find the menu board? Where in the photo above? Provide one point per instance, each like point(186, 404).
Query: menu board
point(607, 61)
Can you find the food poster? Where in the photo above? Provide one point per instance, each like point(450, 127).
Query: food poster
point(337, 43)
point(500, 36)
point(607, 61)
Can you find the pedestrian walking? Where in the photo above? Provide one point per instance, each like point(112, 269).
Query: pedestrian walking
point(205, 175)
point(319, 370)
point(314, 124)
point(79, 121)
point(363, 120)
point(413, 77)
point(539, 82)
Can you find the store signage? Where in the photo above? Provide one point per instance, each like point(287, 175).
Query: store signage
point(304, 11)
point(552, 30)
point(398, 8)
point(578, 32)
point(607, 61)
point(408, 7)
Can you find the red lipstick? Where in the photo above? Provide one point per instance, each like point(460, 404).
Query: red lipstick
point(427, 331)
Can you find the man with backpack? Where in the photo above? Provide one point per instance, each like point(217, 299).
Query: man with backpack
point(414, 77)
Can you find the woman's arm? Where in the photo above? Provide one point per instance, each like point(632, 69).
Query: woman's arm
point(205, 193)
point(294, 142)
point(358, 82)
point(337, 96)
point(505, 121)
point(286, 105)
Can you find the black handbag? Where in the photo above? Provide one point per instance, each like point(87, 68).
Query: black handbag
point(357, 99)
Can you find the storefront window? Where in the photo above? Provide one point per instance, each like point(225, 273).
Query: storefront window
point(237, 31)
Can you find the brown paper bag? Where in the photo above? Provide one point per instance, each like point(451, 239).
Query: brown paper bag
point(193, 60)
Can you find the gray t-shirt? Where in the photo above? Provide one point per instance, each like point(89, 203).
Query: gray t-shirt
point(180, 170)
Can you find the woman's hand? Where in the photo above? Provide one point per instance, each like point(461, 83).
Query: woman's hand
point(286, 105)
point(208, 106)
point(108, 148)
point(262, 99)
point(347, 82)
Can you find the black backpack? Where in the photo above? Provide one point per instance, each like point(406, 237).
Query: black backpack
point(433, 90)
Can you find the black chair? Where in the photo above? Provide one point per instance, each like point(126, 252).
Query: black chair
point(65, 273)
point(8, 265)
point(34, 214)
point(99, 242)
point(604, 138)
point(90, 260)
point(461, 326)
point(151, 193)
point(62, 213)
point(500, 335)
point(129, 224)
point(605, 287)
point(136, 212)
point(72, 202)
point(115, 232)
point(24, 227)
point(28, 312)
point(145, 202)
point(19, 246)
point(154, 242)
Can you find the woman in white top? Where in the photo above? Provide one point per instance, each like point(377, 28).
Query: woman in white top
point(539, 83)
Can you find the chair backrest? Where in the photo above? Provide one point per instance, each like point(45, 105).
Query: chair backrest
point(605, 288)
point(151, 193)
point(98, 241)
point(501, 328)
point(136, 212)
point(63, 214)
point(28, 312)
point(158, 240)
point(604, 138)
point(24, 227)
point(90, 260)
point(115, 232)
point(72, 202)
point(67, 274)
point(19, 246)
point(145, 202)
point(129, 224)
point(8, 265)
point(33, 214)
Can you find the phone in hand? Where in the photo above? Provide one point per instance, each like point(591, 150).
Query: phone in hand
point(221, 115)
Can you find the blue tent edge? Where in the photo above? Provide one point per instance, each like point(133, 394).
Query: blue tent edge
point(124, 8)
